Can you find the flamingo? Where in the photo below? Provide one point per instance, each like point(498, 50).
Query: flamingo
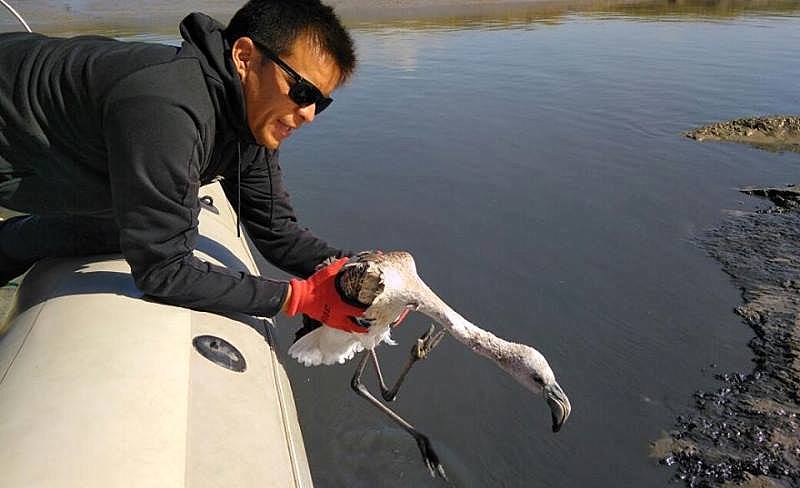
point(389, 286)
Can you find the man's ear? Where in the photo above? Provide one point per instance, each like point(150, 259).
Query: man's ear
point(243, 53)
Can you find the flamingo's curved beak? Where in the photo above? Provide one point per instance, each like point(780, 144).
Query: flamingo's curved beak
point(560, 407)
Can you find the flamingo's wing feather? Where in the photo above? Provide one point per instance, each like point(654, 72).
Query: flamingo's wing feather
point(325, 345)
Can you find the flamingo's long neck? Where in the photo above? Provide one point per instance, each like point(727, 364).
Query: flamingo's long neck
point(480, 341)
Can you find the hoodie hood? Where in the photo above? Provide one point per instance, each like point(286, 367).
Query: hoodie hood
point(204, 39)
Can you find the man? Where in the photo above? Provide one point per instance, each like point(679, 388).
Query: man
point(104, 145)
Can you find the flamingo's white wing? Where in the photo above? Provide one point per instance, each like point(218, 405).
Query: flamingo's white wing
point(326, 345)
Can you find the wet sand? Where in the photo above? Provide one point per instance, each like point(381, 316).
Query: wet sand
point(748, 430)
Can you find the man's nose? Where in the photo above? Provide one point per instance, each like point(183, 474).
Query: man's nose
point(307, 113)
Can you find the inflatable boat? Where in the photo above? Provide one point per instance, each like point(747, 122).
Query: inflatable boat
point(101, 387)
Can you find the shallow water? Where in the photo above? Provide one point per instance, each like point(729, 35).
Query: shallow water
point(531, 160)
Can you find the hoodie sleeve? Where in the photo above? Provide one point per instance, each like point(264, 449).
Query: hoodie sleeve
point(153, 152)
point(267, 214)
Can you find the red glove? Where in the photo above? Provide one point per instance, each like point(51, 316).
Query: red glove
point(318, 298)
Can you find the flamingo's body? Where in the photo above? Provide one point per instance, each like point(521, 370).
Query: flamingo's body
point(388, 284)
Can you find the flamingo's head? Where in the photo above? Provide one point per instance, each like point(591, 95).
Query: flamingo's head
point(530, 368)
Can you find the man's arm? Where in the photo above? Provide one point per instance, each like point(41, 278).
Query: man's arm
point(269, 218)
point(153, 151)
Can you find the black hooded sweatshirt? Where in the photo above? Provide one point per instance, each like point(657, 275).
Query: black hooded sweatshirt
point(90, 124)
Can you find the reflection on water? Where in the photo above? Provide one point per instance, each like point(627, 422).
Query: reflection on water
point(539, 177)
point(499, 15)
point(714, 9)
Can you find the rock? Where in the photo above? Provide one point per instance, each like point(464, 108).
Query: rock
point(786, 198)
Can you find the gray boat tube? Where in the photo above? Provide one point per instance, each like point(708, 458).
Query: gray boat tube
point(101, 387)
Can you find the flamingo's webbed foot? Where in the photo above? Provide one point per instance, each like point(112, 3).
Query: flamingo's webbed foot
point(430, 457)
point(426, 343)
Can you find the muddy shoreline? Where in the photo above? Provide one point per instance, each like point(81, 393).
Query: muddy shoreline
point(772, 133)
point(747, 432)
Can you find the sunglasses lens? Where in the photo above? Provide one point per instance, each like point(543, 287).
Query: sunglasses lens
point(322, 104)
point(304, 94)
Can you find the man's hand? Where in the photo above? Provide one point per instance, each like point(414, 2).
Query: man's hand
point(318, 298)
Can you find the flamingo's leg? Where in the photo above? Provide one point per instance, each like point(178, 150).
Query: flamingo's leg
point(423, 443)
point(420, 350)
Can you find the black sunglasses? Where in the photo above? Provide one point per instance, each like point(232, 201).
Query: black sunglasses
point(303, 92)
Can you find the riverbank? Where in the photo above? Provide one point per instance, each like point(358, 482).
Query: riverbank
point(748, 430)
point(125, 19)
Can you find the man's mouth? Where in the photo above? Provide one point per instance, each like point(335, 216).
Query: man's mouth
point(283, 130)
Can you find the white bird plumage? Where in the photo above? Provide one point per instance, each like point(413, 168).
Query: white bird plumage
point(326, 345)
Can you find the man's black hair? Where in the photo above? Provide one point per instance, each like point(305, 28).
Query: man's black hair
point(278, 23)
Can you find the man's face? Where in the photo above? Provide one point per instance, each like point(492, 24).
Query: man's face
point(271, 114)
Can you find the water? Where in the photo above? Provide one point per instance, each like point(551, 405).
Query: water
point(531, 160)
